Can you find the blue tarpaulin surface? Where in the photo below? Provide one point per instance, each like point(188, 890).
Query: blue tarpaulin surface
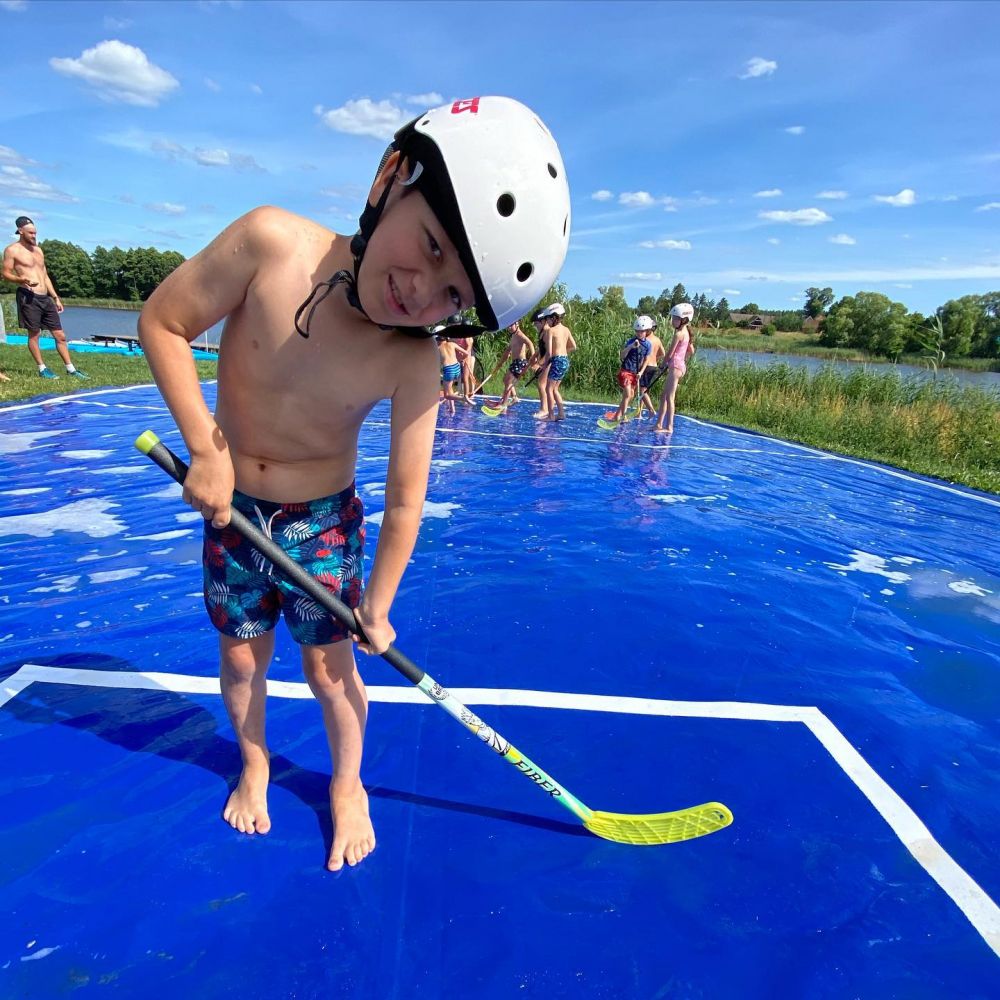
point(812, 640)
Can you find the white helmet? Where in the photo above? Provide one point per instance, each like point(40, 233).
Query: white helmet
point(556, 309)
point(492, 174)
point(440, 328)
point(684, 310)
point(643, 323)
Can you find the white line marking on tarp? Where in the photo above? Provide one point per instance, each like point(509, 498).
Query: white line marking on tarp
point(978, 908)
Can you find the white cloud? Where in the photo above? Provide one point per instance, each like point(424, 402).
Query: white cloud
point(602, 195)
point(832, 195)
point(211, 157)
point(843, 240)
point(14, 6)
point(774, 240)
point(212, 85)
point(990, 206)
point(795, 129)
point(119, 72)
point(950, 197)
point(642, 198)
point(903, 284)
point(800, 217)
point(905, 198)
point(116, 23)
point(378, 119)
point(665, 245)
point(8, 155)
point(215, 157)
point(641, 276)
point(166, 208)
point(430, 100)
point(758, 67)
point(17, 184)
point(731, 291)
point(769, 193)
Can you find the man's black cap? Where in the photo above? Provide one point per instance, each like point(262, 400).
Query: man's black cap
point(22, 220)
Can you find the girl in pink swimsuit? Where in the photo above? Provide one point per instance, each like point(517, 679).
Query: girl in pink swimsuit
point(678, 353)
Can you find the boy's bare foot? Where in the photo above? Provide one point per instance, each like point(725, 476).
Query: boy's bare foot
point(562, 415)
point(540, 415)
point(246, 809)
point(353, 833)
point(4, 377)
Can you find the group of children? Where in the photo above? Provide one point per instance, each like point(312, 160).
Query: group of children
point(644, 359)
point(549, 364)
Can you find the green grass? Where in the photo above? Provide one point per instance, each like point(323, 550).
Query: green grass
point(103, 369)
point(104, 304)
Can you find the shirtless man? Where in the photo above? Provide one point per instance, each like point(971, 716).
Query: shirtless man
point(38, 303)
point(289, 410)
point(519, 350)
point(560, 344)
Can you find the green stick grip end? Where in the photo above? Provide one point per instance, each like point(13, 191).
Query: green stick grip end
point(146, 442)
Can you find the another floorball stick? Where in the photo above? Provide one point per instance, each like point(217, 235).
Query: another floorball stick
point(625, 828)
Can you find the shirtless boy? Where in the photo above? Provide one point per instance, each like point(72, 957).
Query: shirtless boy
point(449, 354)
point(38, 303)
point(560, 344)
point(649, 376)
point(538, 363)
point(299, 370)
point(519, 350)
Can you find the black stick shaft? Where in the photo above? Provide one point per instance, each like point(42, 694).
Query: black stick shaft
point(177, 469)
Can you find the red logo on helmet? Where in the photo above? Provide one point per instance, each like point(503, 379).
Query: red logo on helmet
point(469, 104)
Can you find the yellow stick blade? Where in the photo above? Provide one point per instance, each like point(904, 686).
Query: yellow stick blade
point(660, 828)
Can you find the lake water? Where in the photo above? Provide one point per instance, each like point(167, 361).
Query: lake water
point(81, 324)
point(983, 380)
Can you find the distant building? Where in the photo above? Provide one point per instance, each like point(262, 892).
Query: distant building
point(753, 321)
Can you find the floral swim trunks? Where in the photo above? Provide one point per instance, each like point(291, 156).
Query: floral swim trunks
point(245, 595)
point(518, 367)
point(558, 368)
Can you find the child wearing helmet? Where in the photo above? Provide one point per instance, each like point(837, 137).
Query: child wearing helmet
point(449, 353)
point(681, 348)
point(538, 363)
point(469, 209)
point(656, 354)
point(634, 362)
point(559, 344)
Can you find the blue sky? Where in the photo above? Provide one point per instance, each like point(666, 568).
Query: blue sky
point(747, 150)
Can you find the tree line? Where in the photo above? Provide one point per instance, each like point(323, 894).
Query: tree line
point(130, 275)
point(965, 327)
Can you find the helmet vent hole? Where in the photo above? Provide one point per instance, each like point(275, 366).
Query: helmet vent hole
point(506, 205)
point(525, 271)
point(565, 221)
point(552, 171)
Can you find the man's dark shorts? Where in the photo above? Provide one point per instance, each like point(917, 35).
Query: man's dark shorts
point(245, 594)
point(36, 312)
